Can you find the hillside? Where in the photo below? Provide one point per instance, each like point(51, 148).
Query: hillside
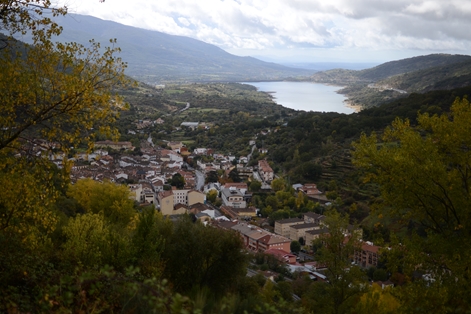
point(392, 80)
point(155, 57)
point(441, 77)
point(388, 69)
point(392, 68)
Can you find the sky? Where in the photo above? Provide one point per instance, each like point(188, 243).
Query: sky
point(302, 31)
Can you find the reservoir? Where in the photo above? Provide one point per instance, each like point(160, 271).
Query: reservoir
point(305, 96)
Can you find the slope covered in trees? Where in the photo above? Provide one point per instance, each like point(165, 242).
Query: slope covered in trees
point(386, 82)
point(388, 69)
point(423, 174)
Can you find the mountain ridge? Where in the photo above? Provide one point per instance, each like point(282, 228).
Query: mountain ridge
point(387, 69)
point(395, 79)
point(154, 56)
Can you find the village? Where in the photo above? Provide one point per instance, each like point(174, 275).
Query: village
point(150, 175)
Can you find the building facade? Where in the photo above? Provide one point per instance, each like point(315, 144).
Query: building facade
point(282, 227)
point(259, 240)
point(265, 171)
point(299, 231)
point(368, 256)
point(169, 199)
point(233, 198)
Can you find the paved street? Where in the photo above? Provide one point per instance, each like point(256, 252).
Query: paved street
point(250, 155)
point(199, 180)
point(149, 140)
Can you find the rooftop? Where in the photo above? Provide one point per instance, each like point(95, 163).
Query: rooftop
point(305, 226)
point(289, 220)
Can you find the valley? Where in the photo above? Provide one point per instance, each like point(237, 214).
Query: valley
point(143, 178)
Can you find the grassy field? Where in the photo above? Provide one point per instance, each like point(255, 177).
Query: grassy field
point(205, 110)
point(174, 91)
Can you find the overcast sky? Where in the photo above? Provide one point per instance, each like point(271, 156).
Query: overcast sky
point(303, 30)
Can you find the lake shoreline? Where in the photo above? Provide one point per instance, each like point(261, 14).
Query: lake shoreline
point(306, 96)
point(348, 103)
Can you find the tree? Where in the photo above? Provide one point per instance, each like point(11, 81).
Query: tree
point(377, 300)
point(148, 241)
point(54, 96)
point(60, 93)
point(380, 275)
point(212, 177)
point(425, 179)
point(93, 241)
point(234, 175)
point(107, 198)
point(215, 253)
point(301, 241)
point(272, 201)
point(295, 246)
point(255, 186)
point(278, 185)
point(331, 195)
point(278, 215)
point(301, 199)
point(309, 170)
point(345, 281)
point(178, 181)
point(212, 195)
point(22, 16)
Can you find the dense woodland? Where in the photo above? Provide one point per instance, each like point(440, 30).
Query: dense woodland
point(400, 171)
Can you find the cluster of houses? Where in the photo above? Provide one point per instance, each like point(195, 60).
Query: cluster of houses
point(312, 192)
point(141, 125)
point(308, 228)
point(255, 238)
point(312, 226)
point(147, 173)
point(154, 166)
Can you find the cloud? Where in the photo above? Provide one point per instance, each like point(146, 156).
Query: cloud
point(259, 25)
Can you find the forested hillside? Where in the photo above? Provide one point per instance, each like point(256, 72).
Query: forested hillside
point(386, 82)
point(388, 69)
point(435, 78)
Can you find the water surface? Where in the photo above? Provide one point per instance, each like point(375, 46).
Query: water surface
point(305, 96)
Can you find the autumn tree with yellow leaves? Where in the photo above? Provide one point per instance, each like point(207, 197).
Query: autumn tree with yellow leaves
point(424, 173)
point(53, 96)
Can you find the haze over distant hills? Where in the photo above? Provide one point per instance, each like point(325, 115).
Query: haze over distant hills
point(388, 69)
point(155, 57)
point(395, 79)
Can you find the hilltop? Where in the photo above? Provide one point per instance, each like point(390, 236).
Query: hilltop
point(396, 79)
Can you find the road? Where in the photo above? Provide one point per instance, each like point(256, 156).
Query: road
point(149, 139)
point(199, 180)
point(186, 108)
point(256, 176)
point(250, 155)
point(386, 87)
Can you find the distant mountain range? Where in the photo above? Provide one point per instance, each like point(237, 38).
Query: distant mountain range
point(390, 80)
point(155, 57)
point(388, 69)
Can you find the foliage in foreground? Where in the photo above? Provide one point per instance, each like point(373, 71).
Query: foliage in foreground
point(424, 175)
